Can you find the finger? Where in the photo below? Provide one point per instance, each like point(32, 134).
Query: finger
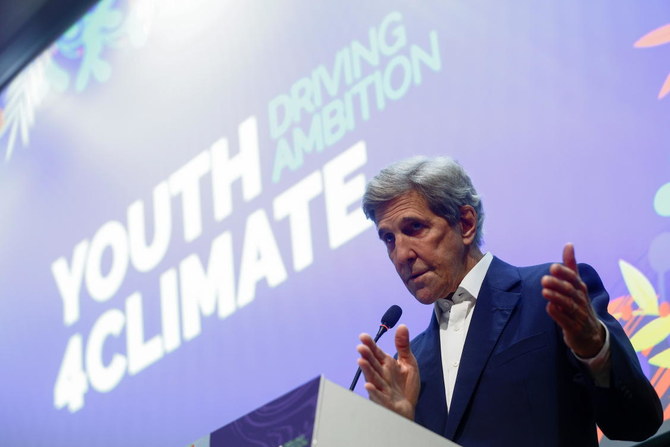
point(564, 272)
point(402, 344)
point(564, 303)
point(569, 311)
point(571, 302)
point(569, 259)
point(372, 376)
point(370, 343)
point(367, 354)
point(558, 284)
point(564, 279)
point(563, 286)
point(365, 338)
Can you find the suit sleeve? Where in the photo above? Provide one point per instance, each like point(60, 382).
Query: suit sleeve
point(629, 408)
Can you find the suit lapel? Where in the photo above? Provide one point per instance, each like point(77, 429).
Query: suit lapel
point(494, 307)
point(432, 394)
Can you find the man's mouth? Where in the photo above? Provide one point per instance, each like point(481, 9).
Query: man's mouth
point(416, 275)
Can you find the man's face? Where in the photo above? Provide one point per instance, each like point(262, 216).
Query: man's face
point(428, 253)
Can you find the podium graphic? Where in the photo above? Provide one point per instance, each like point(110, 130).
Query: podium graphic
point(321, 414)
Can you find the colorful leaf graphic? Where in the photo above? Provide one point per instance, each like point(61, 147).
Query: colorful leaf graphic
point(651, 334)
point(665, 89)
point(25, 94)
point(659, 36)
point(661, 360)
point(640, 288)
point(619, 307)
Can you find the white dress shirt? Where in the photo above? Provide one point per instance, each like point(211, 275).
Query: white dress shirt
point(454, 316)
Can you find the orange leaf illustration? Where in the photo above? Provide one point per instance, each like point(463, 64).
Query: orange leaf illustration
point(659, 36)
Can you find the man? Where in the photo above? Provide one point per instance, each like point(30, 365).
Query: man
point(542, 362)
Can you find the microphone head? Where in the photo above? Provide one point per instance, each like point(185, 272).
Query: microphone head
point(391, 316)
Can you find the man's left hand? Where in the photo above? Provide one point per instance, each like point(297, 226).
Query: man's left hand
point(570, 307)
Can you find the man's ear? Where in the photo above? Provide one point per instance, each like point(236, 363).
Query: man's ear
point(468, 224)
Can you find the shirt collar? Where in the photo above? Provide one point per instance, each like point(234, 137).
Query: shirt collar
point(470, 285)
point(475, 277)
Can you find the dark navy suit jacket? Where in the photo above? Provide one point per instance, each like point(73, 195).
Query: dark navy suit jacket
point(519, 385)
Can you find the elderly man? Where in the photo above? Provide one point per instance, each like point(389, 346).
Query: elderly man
point(513, 356)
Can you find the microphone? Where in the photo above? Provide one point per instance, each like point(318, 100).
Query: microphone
point(389, 320)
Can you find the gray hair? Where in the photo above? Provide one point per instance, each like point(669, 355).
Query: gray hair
point(441, 181)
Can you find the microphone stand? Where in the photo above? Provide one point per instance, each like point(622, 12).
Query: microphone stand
point(380, 332)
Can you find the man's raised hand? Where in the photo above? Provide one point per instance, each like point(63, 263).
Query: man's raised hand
point(570, 307)
point(392, 383)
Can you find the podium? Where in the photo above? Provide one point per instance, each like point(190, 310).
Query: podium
point(321, 414)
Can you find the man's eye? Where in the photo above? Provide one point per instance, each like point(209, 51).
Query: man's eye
point(415, 226)
point(388, 238)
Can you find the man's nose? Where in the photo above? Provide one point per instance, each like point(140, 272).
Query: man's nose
point(404, 251)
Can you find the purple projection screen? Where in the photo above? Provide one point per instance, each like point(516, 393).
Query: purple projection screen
point(181, 231)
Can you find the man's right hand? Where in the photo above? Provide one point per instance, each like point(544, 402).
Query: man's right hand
point(392, 383)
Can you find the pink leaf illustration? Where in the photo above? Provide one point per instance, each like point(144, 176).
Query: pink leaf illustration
point(659, 36)
point(665, 89)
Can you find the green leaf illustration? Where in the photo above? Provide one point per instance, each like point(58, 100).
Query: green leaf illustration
point(662, 360)
point(651, 334)
point(640, 288)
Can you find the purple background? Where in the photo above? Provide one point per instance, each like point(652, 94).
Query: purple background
point(547, 104)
